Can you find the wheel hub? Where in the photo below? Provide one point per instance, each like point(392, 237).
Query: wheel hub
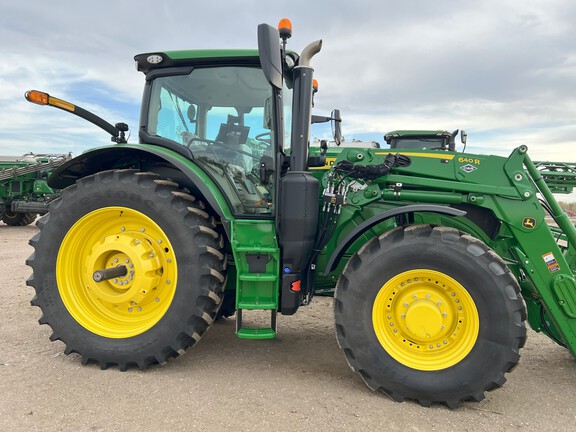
point(138, 255)
point(425, 319)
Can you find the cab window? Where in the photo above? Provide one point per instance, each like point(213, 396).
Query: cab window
point(222, 114)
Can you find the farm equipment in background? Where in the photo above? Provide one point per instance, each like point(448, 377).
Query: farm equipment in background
point(559, 176)
point(424, 139)
point(24, 193)
point(437, 258)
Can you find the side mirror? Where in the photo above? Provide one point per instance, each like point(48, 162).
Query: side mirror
point(270, 57)
point(452, 142)
point(463, 136)
point(319, 119)
point(336, 126)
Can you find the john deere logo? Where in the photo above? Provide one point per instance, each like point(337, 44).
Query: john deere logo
point(529, 223)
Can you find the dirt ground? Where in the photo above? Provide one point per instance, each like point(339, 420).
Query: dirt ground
point(297, 382)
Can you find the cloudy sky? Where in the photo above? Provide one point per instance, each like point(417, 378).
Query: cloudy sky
point(503, 70)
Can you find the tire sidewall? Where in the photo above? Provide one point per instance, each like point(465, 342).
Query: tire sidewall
point(95, 193)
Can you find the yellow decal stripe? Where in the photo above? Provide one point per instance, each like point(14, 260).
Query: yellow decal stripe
point(424, 155)
point(61, 104)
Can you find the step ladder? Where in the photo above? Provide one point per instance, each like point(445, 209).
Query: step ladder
point(257, 260)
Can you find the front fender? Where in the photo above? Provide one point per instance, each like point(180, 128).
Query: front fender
point(144, 157)
point(369, 223)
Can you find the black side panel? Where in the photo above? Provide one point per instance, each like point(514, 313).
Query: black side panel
point(298, 218)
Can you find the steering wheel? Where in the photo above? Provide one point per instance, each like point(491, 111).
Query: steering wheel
point(191, 141)
point(261, 137)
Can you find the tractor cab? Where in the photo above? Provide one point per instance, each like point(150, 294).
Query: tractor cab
point(220, 114)
point(242, 118)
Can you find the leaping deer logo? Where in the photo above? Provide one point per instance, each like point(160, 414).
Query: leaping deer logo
point(529, 223)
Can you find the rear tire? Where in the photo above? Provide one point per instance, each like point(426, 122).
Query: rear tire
point(167, 241)
point(429, 314)
point(18, 219)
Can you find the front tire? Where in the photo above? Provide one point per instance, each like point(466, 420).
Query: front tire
point(174, 277)
point(429, 314)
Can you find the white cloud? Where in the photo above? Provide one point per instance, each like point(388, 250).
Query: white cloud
point(501, 69)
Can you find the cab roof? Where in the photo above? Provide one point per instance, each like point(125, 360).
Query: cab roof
point(412, 133)
point(164, 59)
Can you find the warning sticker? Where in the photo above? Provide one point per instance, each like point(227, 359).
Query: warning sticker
point(551, 262)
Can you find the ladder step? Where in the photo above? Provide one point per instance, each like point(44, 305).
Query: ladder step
point(258, 249)
point(258, 277)
point(257, 306)
point(256, 333)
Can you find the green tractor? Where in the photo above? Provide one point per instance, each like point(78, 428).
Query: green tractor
point(24, 193)
point(436, 259)
point(424, 139)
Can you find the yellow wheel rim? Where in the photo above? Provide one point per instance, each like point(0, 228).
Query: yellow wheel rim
point(125, 306)
point(425, 320)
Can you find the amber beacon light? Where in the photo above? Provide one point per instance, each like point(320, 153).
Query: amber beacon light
point(37, 97)
point(285, 28)
point(42, 98)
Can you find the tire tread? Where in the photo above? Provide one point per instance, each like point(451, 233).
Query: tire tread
point(450, 237)
point(210, 269)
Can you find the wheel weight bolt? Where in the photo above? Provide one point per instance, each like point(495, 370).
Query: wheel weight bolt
point(109, 273)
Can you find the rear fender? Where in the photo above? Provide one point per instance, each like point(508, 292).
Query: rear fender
point(165, 162)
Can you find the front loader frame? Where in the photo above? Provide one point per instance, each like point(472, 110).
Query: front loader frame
point(509, 193)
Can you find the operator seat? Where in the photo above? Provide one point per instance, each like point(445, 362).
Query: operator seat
point(234, 136)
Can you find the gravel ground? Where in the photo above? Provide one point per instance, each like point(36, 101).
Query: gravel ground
point(297, 382)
